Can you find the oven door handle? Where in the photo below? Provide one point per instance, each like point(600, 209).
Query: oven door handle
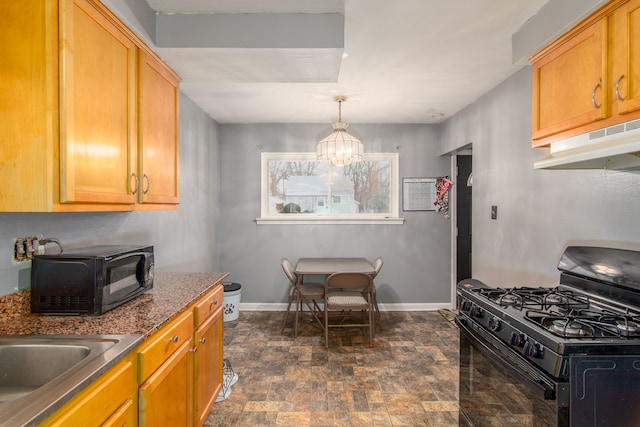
point(508, 358)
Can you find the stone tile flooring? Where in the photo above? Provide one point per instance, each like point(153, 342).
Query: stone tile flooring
point(408, 378)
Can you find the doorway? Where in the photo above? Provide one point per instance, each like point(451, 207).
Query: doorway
point(463, 216)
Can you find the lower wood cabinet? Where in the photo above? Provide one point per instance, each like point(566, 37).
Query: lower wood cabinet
point(165, 397)
point(125, 416)
point(172, 379)
point(109, 401)
point(165, 372)
point(208, 340)
point(180, 366)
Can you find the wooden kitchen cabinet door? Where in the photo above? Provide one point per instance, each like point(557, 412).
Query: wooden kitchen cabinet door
point(625, 77)
point(166, 398)
point(97, 107)
point(158, 138)
point(108, 399)
point(570, 83)
point(208, 365)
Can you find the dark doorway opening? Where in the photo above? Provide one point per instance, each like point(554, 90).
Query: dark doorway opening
point(463, 215)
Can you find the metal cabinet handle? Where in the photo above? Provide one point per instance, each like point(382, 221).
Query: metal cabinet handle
point(203, 340)
point(148, 182)
point(135, 178)
point(214, 302)
point(620, 98)
point(593, 96)
point(174, 339)
point(194, 350)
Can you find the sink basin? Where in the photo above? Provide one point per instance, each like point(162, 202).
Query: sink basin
point(38, 374)
point(26, 367)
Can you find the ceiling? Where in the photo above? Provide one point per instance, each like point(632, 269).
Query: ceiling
point(403, 61)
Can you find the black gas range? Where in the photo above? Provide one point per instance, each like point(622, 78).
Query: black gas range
point(569, 354)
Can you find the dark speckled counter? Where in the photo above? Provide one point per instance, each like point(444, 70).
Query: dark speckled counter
point(171, 294)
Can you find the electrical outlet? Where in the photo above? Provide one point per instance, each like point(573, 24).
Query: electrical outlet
point(25, 247)
point(494, 212)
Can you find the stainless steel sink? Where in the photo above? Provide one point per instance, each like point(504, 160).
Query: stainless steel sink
point(38, 374)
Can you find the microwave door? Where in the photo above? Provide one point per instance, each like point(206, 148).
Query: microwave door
point(126, 278)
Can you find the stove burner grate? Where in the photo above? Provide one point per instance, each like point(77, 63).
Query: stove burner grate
point(536, 298)
point(587, 323)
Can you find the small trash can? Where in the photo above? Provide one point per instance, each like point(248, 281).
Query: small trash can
point(232, 293)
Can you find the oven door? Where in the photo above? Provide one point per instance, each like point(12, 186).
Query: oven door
point(498, 386)
point(605, 390)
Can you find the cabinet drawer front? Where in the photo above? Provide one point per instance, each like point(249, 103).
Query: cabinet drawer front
point(163, 343)
point(102, 400)
point(208, 304)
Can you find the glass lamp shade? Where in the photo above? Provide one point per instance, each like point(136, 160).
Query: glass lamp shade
point(340, 148)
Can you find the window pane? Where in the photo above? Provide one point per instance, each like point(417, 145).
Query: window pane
point(370, 184)
point(299, 186)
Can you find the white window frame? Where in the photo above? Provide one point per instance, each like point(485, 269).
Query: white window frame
point(392, 217)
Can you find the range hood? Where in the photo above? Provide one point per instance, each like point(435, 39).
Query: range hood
point(615, 147)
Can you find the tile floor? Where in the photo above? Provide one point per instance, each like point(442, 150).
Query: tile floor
point(408, 378)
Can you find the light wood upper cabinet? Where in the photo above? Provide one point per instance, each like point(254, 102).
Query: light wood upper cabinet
point(97, 107)
point(625, 73)
point(569, 83)
point(87, 125)
point(158, 133)
point(589, 78)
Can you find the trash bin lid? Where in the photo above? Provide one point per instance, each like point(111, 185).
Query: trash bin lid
point(231, 287)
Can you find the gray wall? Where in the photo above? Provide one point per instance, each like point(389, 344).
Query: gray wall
point(539, 211)
point(184, 240)
point(416, 254)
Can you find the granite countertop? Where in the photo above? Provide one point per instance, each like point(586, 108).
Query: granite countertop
point(170, 295)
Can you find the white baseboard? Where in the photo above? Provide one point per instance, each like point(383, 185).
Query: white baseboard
point(251, 306)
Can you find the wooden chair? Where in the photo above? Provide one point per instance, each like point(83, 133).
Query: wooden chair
point(301, 293)
point(348, 292)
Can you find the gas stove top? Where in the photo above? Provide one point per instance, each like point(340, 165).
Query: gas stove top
point(583, 314)
point(566, 312)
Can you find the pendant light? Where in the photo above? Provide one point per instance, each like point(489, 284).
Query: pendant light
point(340, 148)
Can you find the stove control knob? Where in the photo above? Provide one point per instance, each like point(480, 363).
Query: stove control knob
point(495, 324)
point(532, 349)
point(465, 305)
point(475, 311)
point(517, 339)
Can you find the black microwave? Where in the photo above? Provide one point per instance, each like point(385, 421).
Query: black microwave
point(90, 280)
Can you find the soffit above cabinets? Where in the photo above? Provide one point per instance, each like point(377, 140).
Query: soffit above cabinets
point(411, 61)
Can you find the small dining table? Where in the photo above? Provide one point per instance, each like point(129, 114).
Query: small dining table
point(327, 266)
